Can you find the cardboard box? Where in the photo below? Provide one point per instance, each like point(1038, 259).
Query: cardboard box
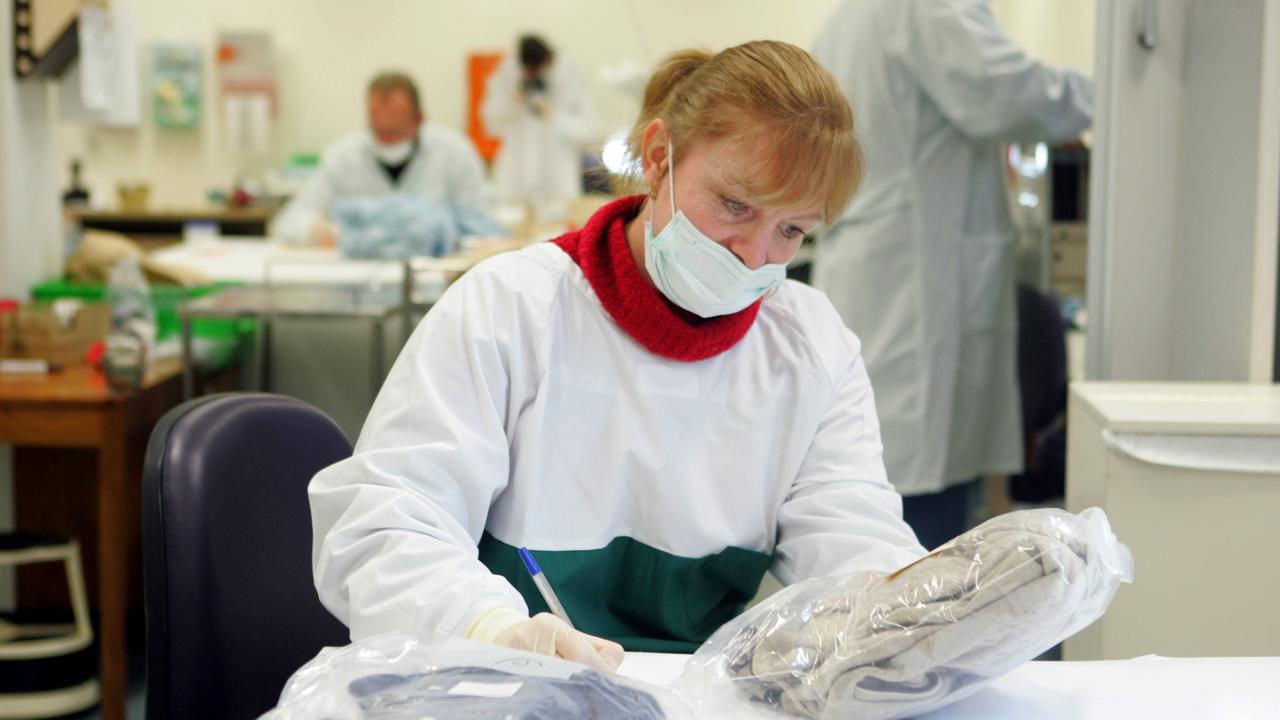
point(34, 331)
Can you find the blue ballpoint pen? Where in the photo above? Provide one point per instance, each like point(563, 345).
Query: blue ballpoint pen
point(544, 587)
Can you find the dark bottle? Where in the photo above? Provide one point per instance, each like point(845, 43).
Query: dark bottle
point(76, 196)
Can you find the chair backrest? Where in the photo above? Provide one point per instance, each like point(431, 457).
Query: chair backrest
point(231, 608)
point(1042, 358)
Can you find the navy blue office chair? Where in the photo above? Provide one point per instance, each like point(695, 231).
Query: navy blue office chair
point(231, 611)
point(1042, 379)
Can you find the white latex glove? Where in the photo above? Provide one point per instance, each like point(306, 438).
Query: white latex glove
point(324, 232)
point(547, 634)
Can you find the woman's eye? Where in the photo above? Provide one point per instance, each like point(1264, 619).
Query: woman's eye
point(735, 207)
point(791, 232)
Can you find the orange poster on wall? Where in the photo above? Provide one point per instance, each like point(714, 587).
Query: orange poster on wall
point(479, 67)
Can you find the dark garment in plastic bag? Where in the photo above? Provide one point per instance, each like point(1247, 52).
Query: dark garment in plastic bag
point(396, 676)
point(475, 693)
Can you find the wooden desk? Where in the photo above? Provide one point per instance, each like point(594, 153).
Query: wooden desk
point(76, 409)
point(161, 227)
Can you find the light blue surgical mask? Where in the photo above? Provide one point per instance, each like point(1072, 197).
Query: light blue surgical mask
point(698, 273)
point(393, 153)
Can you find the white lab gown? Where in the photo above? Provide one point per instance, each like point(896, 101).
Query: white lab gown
point(540, 159)
point(920, 264)
point(446, 169)
point(519, 409)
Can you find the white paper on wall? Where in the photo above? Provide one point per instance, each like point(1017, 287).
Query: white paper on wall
point(103, 85)
point(97, 58)
point(247, 120)
point(247, 78)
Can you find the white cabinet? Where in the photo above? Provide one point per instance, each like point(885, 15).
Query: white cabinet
point(1206, 542)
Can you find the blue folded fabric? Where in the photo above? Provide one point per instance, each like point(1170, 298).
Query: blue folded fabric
point(403, 225)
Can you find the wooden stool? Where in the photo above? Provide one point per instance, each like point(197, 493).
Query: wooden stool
point(47, 670)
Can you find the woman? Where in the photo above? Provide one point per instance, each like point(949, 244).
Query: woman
point(645, 404)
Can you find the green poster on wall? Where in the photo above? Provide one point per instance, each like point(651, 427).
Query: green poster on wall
point(175, 86)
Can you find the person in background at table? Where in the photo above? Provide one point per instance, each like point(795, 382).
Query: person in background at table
point(399, 152)
point(645, 404)
point(920, 264)
point(540, 105)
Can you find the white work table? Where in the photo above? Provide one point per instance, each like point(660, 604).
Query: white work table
point(1146, 687)
point(261, 261)
point(298, 282)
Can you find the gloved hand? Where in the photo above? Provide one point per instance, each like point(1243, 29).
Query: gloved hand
point(546, 634)
point(324, 232)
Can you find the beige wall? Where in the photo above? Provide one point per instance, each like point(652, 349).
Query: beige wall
point(327, 50)
point(1055, 31)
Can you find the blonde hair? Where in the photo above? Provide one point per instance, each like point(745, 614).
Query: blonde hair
point(764, 91)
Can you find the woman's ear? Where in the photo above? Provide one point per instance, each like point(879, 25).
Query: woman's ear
point(653, 153)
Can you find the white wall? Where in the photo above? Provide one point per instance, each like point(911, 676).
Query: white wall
point(1217, 179)
point(1266, 252)
point(1183, 235)
point(1134, 176)
point(30, 236)
point(328, 49)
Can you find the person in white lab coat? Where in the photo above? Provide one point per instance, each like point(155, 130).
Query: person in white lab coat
point(920, 264)
point(399, 152)
point(540, 105)
point(655, 412)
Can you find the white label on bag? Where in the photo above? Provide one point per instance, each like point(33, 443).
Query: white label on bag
point(487, 690)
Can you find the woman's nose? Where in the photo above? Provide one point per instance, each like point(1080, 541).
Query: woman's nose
point(752, 251)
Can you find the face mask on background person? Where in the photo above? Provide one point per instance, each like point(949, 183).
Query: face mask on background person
point(697, 273)
point(393, 153)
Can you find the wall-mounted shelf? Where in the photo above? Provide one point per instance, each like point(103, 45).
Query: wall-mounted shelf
point(46, 35)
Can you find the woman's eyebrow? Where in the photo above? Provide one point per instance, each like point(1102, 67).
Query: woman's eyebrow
point(720, 182)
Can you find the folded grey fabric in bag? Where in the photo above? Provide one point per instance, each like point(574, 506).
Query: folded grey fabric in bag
point(890, 646)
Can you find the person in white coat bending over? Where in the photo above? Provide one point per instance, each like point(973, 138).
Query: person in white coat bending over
point(646, 404)
point(920, 264)
point(540, 105)
point(399, 152)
